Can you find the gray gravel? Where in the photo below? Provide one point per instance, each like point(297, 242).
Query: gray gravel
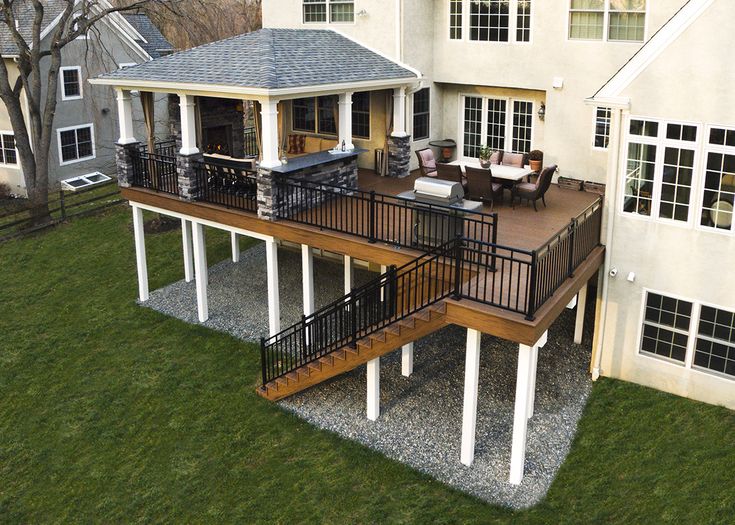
point(421, 416)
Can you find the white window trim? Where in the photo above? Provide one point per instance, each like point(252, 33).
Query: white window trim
point(103, 178)
point(62, 84)
point(508, 121)
point(70, 128)
point(329, 14)
point(413, 115)
point(706, 149)
point(688, 363)
point(512, 25)
point(594, 128)
point(15, 166)
point(661, 143)
point(606, 27)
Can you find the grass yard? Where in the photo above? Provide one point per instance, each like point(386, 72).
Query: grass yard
point(113, 413)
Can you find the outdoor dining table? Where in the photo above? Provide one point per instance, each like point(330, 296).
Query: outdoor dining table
point(499, 171)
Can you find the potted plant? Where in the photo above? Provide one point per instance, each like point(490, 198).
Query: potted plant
point(536, 160)
point(485, 154)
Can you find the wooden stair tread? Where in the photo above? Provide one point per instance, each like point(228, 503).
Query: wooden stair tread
point(393, 329)
point(366, 342)
point(424, 315)
point(440, 308)
point(408, 322)
point(314, 365)
point(378, 336)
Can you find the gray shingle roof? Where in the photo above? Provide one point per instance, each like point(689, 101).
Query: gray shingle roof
point(270, 59)
point(24, 15)
point(156, 44)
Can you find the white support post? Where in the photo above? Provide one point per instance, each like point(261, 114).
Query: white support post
point(399, 112)
point(373, 389)
point(125, 117)
point(349, 274)
point(202, 272)
point(572, 304)
point(307, 276)
point(520, 418)
point(407, 360)
point(469, 411)
point(188, 250)
point(534, 367)
point(269, 132)
point(274, 300)
point(235, 241)
point(579, 323)
point(140, 258)
point(188, 125)
point(345, 120)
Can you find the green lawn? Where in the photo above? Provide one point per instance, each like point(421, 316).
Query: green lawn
point(113, 413)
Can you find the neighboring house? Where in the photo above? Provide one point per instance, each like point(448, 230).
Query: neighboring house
point(85, 123)
point(514, 75)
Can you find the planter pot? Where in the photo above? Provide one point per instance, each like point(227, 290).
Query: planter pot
point(535, 164)
point(485, 163)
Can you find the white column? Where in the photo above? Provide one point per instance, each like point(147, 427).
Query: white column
point(579, 323)
point(345, 120)
point(534, 367)
point(469, 411)
point(373, 389)
point(407, 360)
point(269, 131)
point(235, 241)
point(140, 258)
point(188, 125)
point(188, 250)
point(274, 300)
point(307, 277)
point(125, 117)
point(349, 274)
point(399, 112)
point(202, 272)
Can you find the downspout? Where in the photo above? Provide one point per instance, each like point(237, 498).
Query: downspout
point(399, 32)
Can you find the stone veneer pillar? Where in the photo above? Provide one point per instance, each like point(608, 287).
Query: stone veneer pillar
point(187, 177)
point(267, 194)
point(124, 162)
point(399, 156)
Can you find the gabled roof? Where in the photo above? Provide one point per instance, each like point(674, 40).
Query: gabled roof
point(24, 16)
point(270, 59)
point(152, 40)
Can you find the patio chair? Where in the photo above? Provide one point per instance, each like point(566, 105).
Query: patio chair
point(513, 159)
point(533, 191)
point(451, 172)
point(427, 162)
point(481, 187)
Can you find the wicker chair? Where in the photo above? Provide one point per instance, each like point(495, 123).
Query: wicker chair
point(534, 191)
point(481, 187)
point(427, 162)
point(513, 159)
point(451, 172)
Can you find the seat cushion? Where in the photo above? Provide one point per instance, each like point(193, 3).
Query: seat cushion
point(496, 157)
point(296, 144)
point(496, 187)
point(526, 186)
point(428, 160)
point(513, 159)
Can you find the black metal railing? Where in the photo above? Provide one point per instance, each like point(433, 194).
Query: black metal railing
point(227, 185)
point(164, 148)
point(378, 217)
point(155, 171)
point(251, 142)
point(395, 295)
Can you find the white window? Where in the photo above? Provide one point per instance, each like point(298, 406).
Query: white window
point(8, 153)
point(687, 333)
point(608, 20)
point(421, 114)
point(603, 118)
point(499, 123)
point(660, 169)
point(84, 181)
point(76, 144)
point(718, 195)
point(323, 11)
point(490, 20)
point(71, 82)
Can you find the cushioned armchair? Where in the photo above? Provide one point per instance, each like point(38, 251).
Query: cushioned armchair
point(451, 172)
point(427, 162)
point(533, 191)
point(513, 159)
point(480, 186)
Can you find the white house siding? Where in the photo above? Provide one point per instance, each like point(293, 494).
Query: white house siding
point(690, 81)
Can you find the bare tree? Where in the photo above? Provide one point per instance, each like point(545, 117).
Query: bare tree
point(73, 18)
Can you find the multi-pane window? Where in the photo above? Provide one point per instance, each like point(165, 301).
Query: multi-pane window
point(8, 154)
point(472, 126)
point(71, 83)
point(321, 11)
point(304, 114)
point(76, 144)
point(327, 114)
point(497, 123)
point(455, 19)
point(421, 114)
point(666, 326)
point(719, 180)
point(361, 115)
point(523, 21)
point(496, 116)
point(602, 127)
point(522, 126)
point(617, 20)
point(489, 20)
point(660, 169)
point(715, 348)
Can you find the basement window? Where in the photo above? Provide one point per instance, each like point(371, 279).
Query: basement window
point(91, 179)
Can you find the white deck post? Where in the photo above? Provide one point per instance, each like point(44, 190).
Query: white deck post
point(345, 120)
point(307, 276)
point(579, 323)
point(399, 112)
point(235, 241)
point(125, 117)
point(469, 411)
point(140, 258)
point(188, 125)
point(201, 270)
point(349, 274)
point(274, 300)
point(373, 389)
point(269, 132)
point(407, 360)
point(188, 250)
point(534, 367)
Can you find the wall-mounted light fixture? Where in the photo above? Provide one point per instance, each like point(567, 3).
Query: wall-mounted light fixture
point(362, 13)
point(542, 111)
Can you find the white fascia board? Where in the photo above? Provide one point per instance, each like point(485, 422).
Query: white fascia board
point(652, 49)
point(609, 102)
